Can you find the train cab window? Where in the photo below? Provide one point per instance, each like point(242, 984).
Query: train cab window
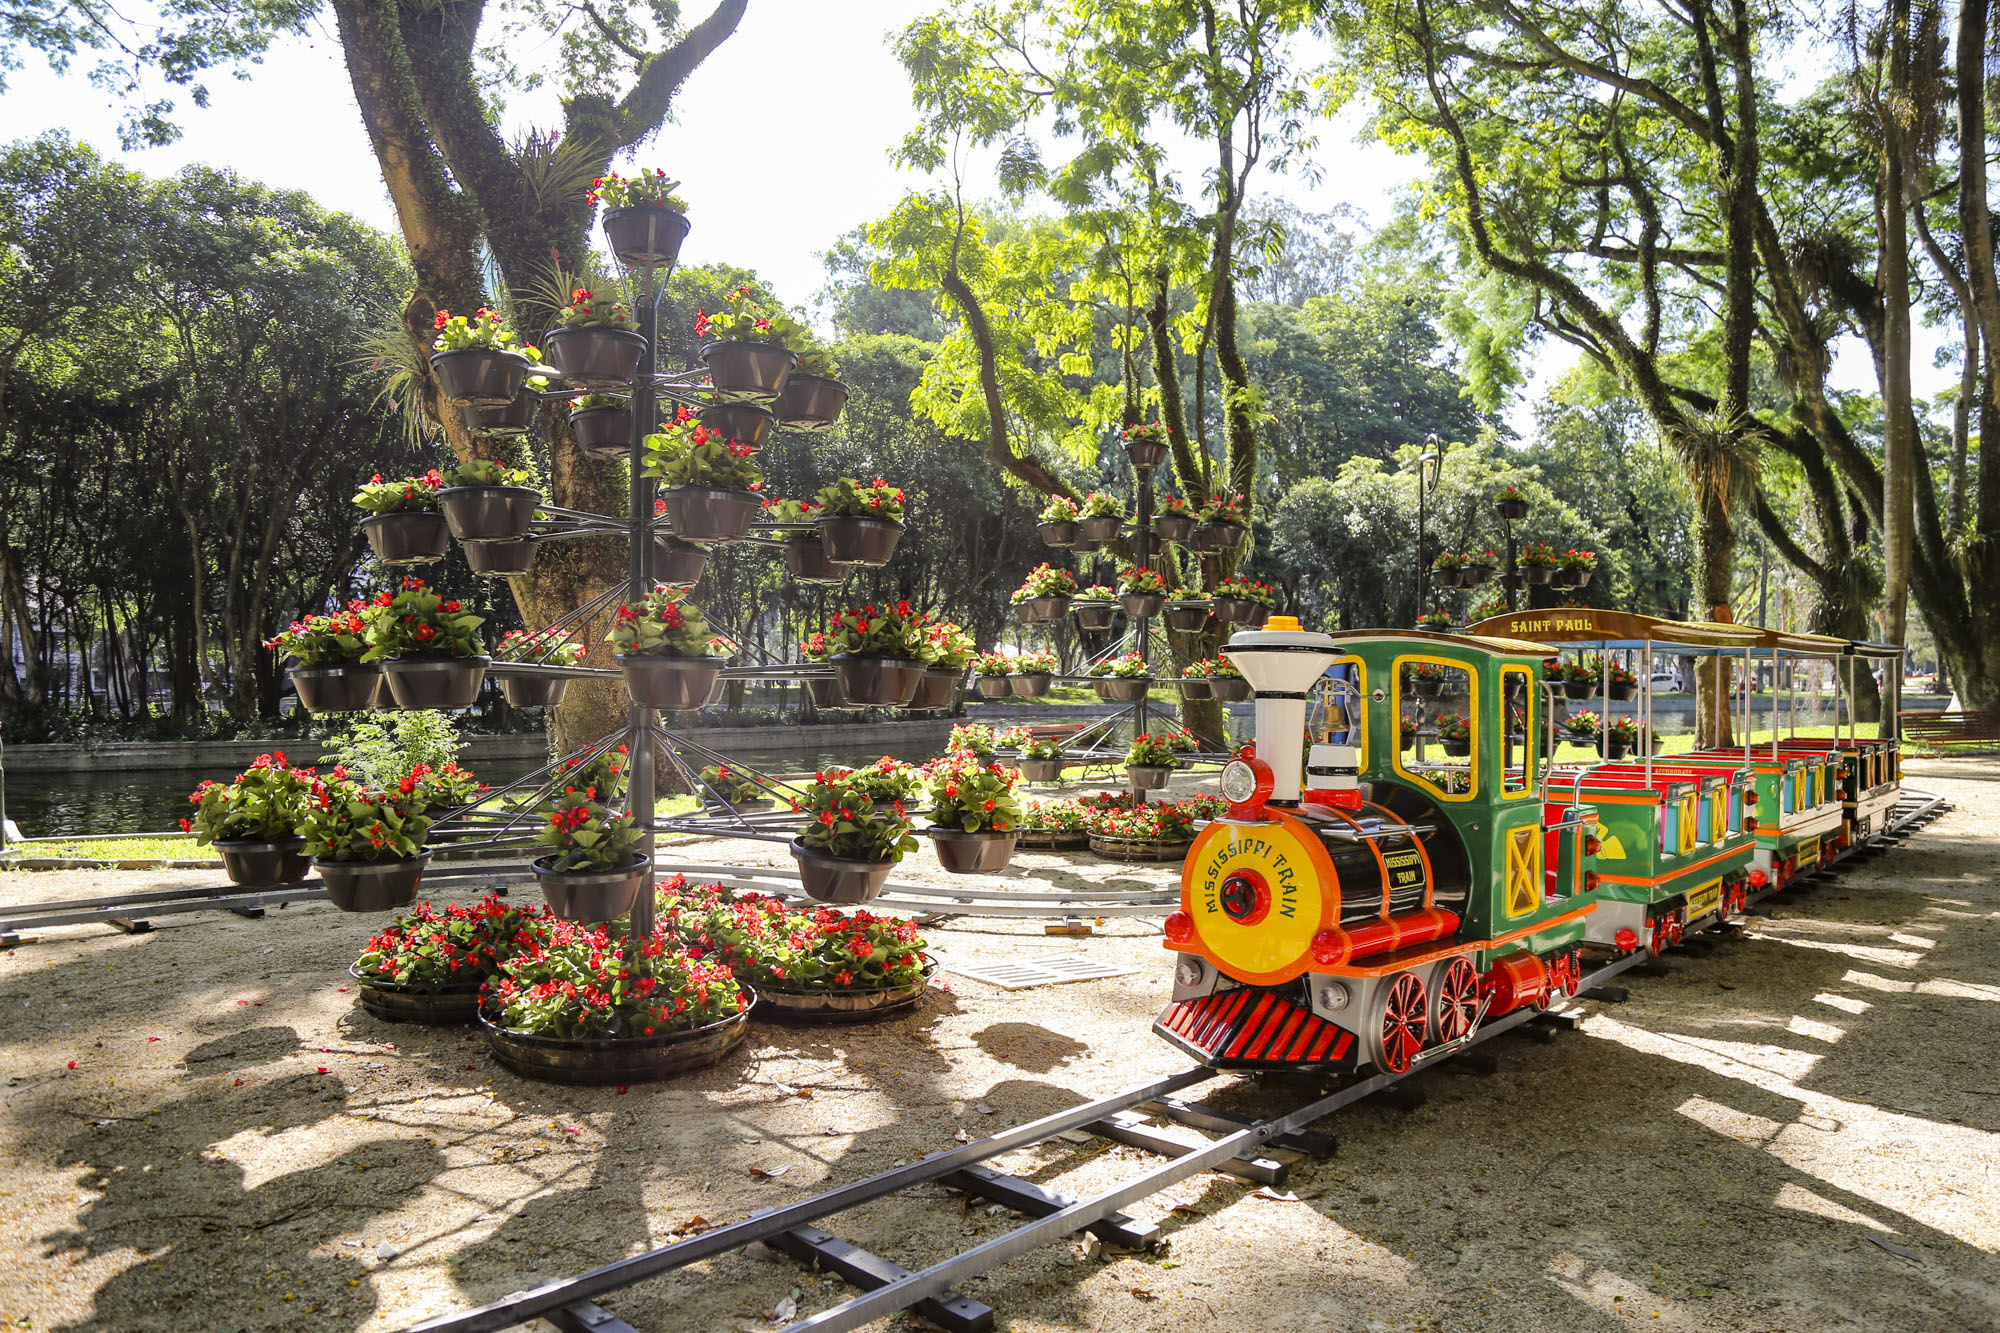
point(1517, 732)
point(1436, 702)
point(1341, 714)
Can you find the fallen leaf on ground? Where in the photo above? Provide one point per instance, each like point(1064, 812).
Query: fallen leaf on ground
point(769, 1173)
point(1902, 1251)
point(983, 1109)
point(1186, 1210)
point(1282, 1196)
point(1143, 1294)
point(962, 1136)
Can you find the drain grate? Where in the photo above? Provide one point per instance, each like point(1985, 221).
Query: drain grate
point(1019, 974)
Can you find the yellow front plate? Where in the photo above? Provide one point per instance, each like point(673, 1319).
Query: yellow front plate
point(1301, 893)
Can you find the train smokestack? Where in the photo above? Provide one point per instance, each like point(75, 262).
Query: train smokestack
point(1282, 662)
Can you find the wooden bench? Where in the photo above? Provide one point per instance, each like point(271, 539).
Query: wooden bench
point(1941, 731)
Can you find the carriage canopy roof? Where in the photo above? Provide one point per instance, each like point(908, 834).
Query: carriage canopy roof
point(1598, 628)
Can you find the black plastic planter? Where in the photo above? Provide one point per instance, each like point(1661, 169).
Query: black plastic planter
point(1101, 528)
point(710, 513)
point(1041, 610)
point(604, 431)
point(621, 1060)
point(1186, 617)
point(1148, 777)
point(590, 895)
point(1473, 576)
point(1622, 690)
point(1448, 577)
point(534, 691)
point(512, 419)
point(435, 682)
point(1580, 689)
point(1175, 527)
point(372, 886)
point(747, 372)
point(840, 1004)
point(678, 684)
point(1196, 687)
point(1512, 510)
point(743, 422)
point(935, 690)
point(1570, 578)
point(645, 234)
point(810, 402)
point(1233, 610)
point(1124, 689)
point(1229, 689)
point(496, 560)
point(1141, 604)
point(1031, 684)
point(1094, 615)
point(851, 540)
point(435, 1006)
point(888, 682)
point(263, 865)
point(1061, 531)
point(337, 689)
point(1537, 574)
point(489, 513)
point(995, 687)
point(419, 537)
point(806, 558)
point(1222, 535)
point(1146, 453)
point(678, 564)
point(1460, 749)
point(1615, 747)
point(964, 853)
point(1041, 770)
point(831, 879)
point(480, 377)
point(598, 358)
point(1085, 545)
point(825, 692)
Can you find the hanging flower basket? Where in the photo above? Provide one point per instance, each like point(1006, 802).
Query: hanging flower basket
point(1146, 453)
point(590, 895)
point(1476, 574)
point(1093, 614)
point(435, 682)
point(1142, 604)
point(1041, 610)
point(1220, 535)
point(677, 684)
point(604, 431)
point(260, 865)
point(1101, 528)
point(1447, 576)
point(413, 537)
point(372, 886)
point(431, 1005)
point(1229, 689)
point(747, 371)
point(1123, 689)
point(1187, 615)
point(1233, 610)
point(1085, 546)
point(645, 235)
point(877, 681)
point(806, 558)
point(979, 853)
point(834, 879)
point(859, 541)
point(480, 376)
point(1040, 770)
point(512, 419)
point(351, 688)
point(499, 560)
point(710, 513)
point(1061, 532)
point(1175, 527)
point(596, 357)
point(935, 690)
point(489, 513)
point(678, 564)
point(995, 687)
point(825, 692)
point(1031, 684)
point(534, 691)
point(857, 1004)
point(746, 422)
point(1511, 508)
point(810, 402)
point(1148, 777)
point(616, 1059)
point(1196, 687)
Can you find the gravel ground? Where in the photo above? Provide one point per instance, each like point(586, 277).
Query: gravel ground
point(1797, 1131)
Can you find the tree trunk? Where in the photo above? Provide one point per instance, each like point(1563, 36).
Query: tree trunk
point(1899, 427)
point(1715, 554)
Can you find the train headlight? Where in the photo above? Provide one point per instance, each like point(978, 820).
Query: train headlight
point(1190, 972)
point(1246, 784)
point(1239, 781)
point(1332, 996)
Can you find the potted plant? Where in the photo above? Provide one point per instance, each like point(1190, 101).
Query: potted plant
point(428, 965)
point(549, 647)
point(1580, 677)
point(1155, 831)
point(747, 348)
point(1149, 762)
point(587, 1006)
point(1477, 569)
point(1510, 503)
point(595, 343)
point(1187, 615)
point(592, 868)
point(847, 845)
point(1406, 733)
point(1194, 680)
point(1584, 727)
point(485, 500)
point(1145, 445)
point(1427, 679)
point(474, 360)
point(516, 417)
point(1052, 825)
point(1141, 591)
point(1033, 674)
point(1437, 622)
point(1538, 562)
point(676, 563)
point(711, 481)
point(1127, 680)
point(888, 784)
point(805, 551)
point(973, 738)
point(944, 648)
point(1100, 517)
point(1225, 682)
point(404, 526)
point(644, 220)
point(860, 524)
point(1623, 736)
point(425, 790)
point(1044, 595)
point(1447, 570)
point(1223, 526)
point(1041, 759)
point(813, 396)
point(1243, 600)
point(875, 654)
point(1096, 607)
point(990, 673)
point(327, 671)
point(366, 845)
point(1059, 526)
point(602, 424)
point(1175, 519)
point(663, 646)
point(428, 646)
point(812, 967)
point(253, 822)
point(1624, 683)
point(1573, 568)
point(1455, 734)
point(975, 816)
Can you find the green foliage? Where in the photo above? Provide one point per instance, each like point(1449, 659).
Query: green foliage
point(1152, 751)
point(457, 948)
point(406, 495)
point(349, 822)
point(662, 625)
point(588, 309)
point(420, 622)
point(648, 189)
point(324, 640)
point(877, 631)
point(381, 749)
point(265, 803)
point(484, 331)
point(970, 796)
point(687, 453)
point(586, 983)
point(848, 498)
point(842, 821)
point(486, 472)
point(583, 834)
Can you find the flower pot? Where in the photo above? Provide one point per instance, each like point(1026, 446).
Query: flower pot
point(1473, 576)
point(1141, 604)
point(677, 684)
point(416, 538)
point(964, 853)
point(1258, 616)
point(1148, 777)
point(1146, 453)
point(1041, 770)
point(604, 431)
point(746, 423)
point(1196, 687)
point(590, 895)
point(1615, 747)
point(710, 513)
point(1175, 527)
point(1229, 689)
point(1031, 684)
point(263, 865)
point(510, 419)
point(1579, 689)
point(1052, 840)
point(1623, 690)
point(1456, 749)
point(1536, 574)
point(534, 691)
point(1230, 610)
point(597, 358)
point(1086, 545)
point(747, 371)
point(489, 513)
point(372, 886)
point(616, 1059)
point(994, 687)
point(810, 402)
point(1221, 535)
point(1101, 528)
point(831, 879)
point(499, 560)
point(645, 235)
point(1123, 689)
point(436, 1006)
point(842, 1004)
point(1138, 849)
point(1511, 510)
point(1060, 532)
point(825, 692)
point(1448, 578)
point(806, 558)
point(1094, 615)
point(1041, 610)
point(435, 682)
point(337, 689)
point(935, 690)
point(1565, 578)
point(852, 540)
point(879, 681)
point(1187, 617)
point(481, 377)
point(678, 564)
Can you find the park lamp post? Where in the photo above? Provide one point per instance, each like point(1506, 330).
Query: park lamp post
point(1429, 464)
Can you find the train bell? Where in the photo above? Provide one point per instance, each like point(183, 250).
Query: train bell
point(1282, 662)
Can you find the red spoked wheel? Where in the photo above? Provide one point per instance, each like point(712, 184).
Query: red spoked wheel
point(1401, 1026)
point(1455, 1003)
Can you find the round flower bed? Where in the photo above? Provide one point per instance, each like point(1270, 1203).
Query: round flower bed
point(428, 966)
point(1156, 831)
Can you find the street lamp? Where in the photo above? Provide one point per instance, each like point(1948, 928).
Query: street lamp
point(1429, 464)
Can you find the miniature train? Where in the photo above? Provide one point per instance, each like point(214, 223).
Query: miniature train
point(1368, 902)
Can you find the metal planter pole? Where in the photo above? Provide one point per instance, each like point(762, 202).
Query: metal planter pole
point(640, 722)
